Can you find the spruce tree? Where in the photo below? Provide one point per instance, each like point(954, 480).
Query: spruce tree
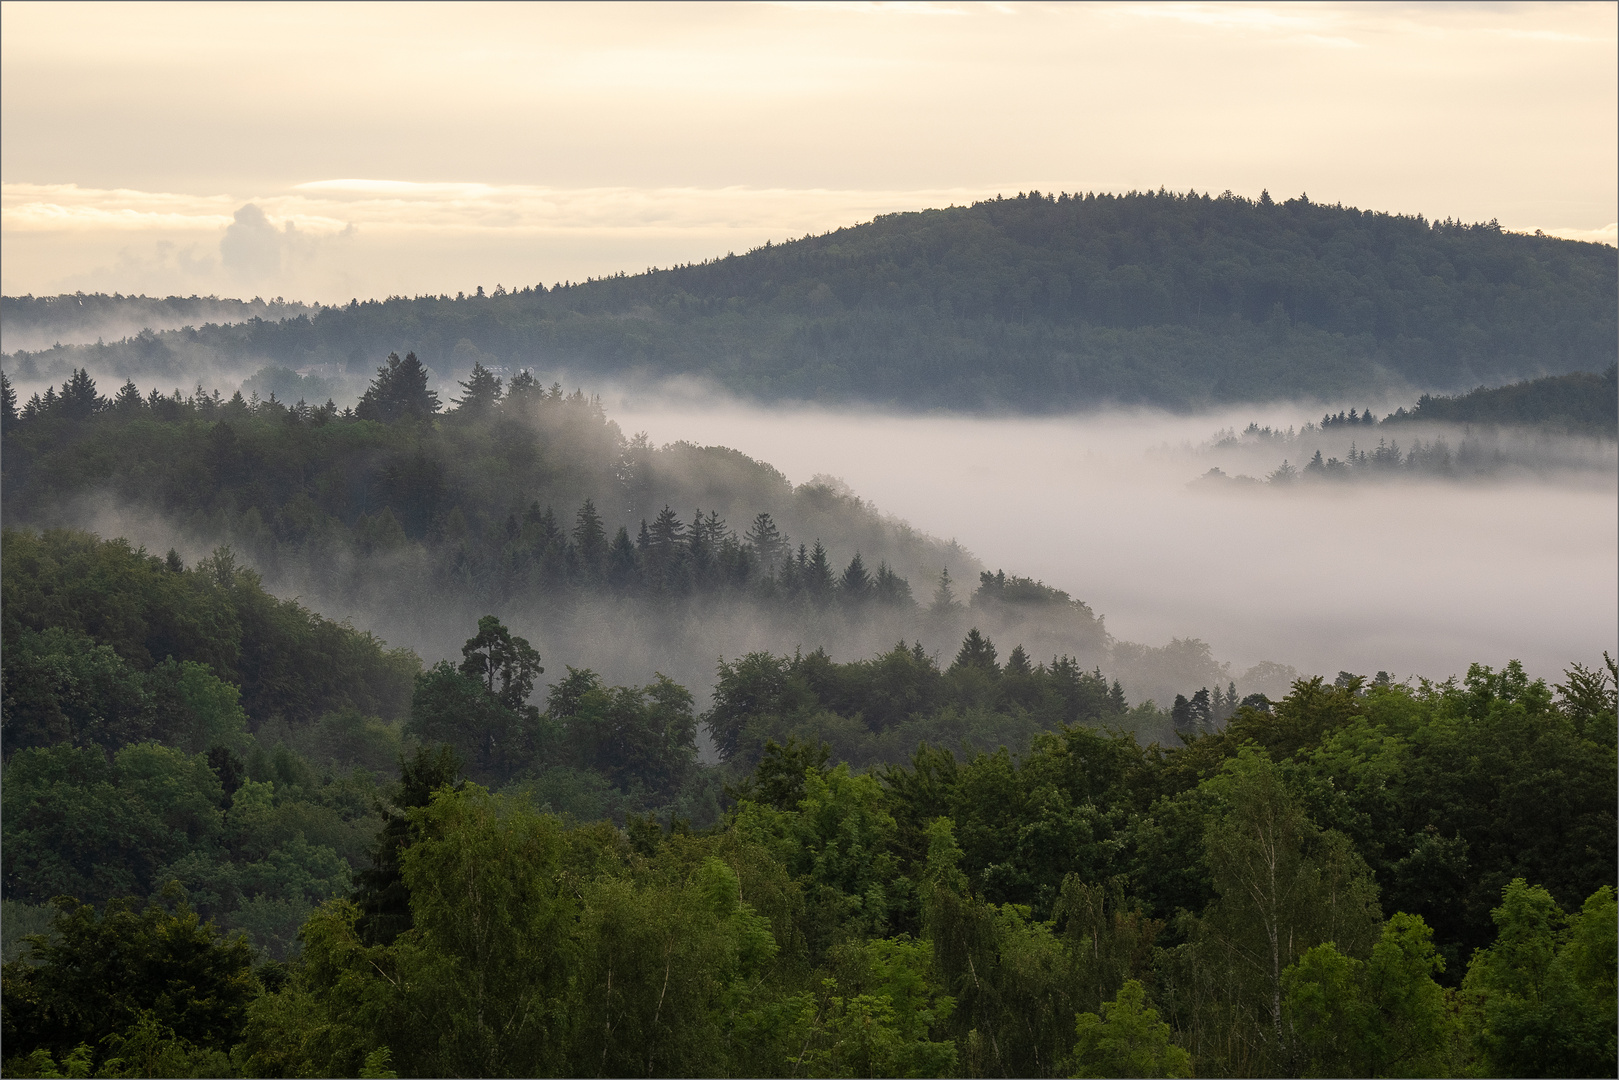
point(944, 598)
point(79, 400)
point(8, 403)
point(590, 539)
point(890, 589)
point(977, 651)
point(818, 581)
point(399, 391)
point(855, 586)
point(767, 543)
point(482, 392)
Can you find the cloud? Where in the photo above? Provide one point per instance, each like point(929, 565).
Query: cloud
point(329, 207)
point(252, 246)
point(1608, 234)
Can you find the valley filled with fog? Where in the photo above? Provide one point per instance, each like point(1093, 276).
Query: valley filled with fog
point(1416, 577)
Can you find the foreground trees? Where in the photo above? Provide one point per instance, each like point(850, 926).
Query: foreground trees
point(1359, 879)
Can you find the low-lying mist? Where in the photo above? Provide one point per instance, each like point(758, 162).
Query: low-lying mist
point(1415, 576)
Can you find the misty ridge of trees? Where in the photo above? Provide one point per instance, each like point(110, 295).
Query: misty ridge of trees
point(114, 652)
point(531, 503)
point(1036, 303)
point(32, 323)
point(1360, 878)
point(1560, 424)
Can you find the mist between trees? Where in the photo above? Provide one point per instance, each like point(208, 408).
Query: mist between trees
point(256, 841)
point(1558, 428)
point(531, 503)
point(1360, 878)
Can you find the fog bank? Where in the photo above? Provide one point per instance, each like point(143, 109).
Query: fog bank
point(1415, 578)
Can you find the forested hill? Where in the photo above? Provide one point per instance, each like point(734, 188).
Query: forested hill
point(1580, 402)
point(1034, 302)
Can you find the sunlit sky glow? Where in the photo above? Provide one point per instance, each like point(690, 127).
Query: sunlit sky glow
point(370, 149)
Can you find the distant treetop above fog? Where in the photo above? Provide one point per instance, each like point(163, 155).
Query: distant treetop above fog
point(38, 322)
point(1036, 303)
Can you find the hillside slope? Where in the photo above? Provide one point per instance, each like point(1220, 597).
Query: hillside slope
point(1035, 303)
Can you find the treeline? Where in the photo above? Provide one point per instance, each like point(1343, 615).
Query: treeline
point(245, 762)
point(1554, 424)
point(1581, 403)
point(39, 322)
point(1359, 879)
point(160, 722)
point(519, 496)
point(1036, 302)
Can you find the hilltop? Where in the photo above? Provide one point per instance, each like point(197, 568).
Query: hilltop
point(1034, 303)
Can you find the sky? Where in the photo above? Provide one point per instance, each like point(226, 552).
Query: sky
point(322, 152)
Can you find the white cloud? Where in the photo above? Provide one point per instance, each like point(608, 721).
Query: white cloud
point(326, 207)
point(1608, 234)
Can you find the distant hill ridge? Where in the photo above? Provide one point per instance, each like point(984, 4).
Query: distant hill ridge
point(1581, 402)
point(1034, 303)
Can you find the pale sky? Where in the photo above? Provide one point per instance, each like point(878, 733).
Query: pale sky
point(327, 151)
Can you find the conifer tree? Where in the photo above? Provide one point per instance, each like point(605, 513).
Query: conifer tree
point(8, 403)
point(399, 391)
point(890, 589)
point(767, 542)
point(977, 651)
point(855, 586)
point(481, 392)
point(590, 539)
point(818, 580)
point(79, 400)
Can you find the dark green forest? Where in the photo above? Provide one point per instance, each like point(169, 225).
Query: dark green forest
point(518, 491)
point(1036, 302)
point(520, 499)
point(1579, 404)
point(242, 838)
point(383, 870)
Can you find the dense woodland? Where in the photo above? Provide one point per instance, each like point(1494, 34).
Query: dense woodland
point(1579, 404)
point(519, 490)
point(1036, 302)
point(381, 869)
point(242, 838)
point(530, 503)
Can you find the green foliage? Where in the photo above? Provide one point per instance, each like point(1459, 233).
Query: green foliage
point(1545, 989)
point(969, 911)
point(157, 983)
point(1128, 1039)
point(103, 644)
point(1385, 1016)
point(400, 392)
point(875, 1018)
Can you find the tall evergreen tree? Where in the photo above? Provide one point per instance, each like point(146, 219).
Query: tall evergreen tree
point(399, 391)
point(818, 581)
point(890, 589)
point(8, 403)
point(623, 564)
point(977, 651)
point(590, 540)
point(767, 542)
point(855, 586)
point(481, 392)
point(79, 399)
